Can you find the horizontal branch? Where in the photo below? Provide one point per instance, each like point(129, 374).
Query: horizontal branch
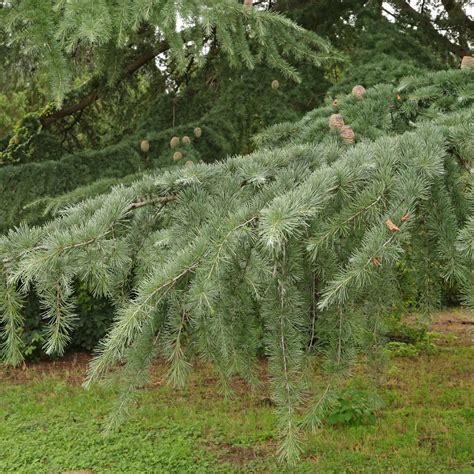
point(161, 199)
point(95, 84)
point(131, 207)
point(422, 20)
point(457, 14)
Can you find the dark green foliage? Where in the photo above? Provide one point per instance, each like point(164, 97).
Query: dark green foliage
point(29, 142)
point(107, 36)
point(19, 185)
point(94, 316)
point(380, 51)
point(12, 108)
point(125, 55)
point(32, 334)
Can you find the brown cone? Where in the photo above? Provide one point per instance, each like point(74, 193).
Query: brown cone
point(174, 142)
point(467, 62)
point(348, 134)
point(145, 146)
point(336, 121)
point(358, 91)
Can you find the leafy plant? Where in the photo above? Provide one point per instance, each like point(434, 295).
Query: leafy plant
point(352, 407)
point(407, 341)
point(401, 349)
point(32, 344)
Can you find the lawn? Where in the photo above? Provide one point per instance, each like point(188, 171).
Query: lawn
point(49, 423)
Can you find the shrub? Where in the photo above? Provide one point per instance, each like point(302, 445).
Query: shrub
point(352, 407)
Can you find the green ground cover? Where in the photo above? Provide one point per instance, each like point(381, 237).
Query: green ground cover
point(49, 423)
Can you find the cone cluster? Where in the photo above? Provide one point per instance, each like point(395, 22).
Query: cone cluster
point(186, 141)
point(336, 121)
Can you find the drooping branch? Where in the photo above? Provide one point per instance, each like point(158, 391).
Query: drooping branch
point(163, 200)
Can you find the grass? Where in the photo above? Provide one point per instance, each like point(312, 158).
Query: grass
point(48, 423)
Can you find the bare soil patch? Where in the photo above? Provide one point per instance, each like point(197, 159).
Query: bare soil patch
point(456, 322)
point(240, 455)
point(71, 368)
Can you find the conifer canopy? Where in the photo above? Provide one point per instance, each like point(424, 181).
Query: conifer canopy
point(92, 44)
point(293, 251)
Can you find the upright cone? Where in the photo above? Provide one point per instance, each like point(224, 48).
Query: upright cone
point(336, 121)
point(358, 91)
point(467, 62)
point(145, 146)
point(348, 134)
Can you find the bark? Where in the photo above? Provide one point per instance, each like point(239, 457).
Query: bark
point(460, 22)
point(457, 15)
point(424, 22)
